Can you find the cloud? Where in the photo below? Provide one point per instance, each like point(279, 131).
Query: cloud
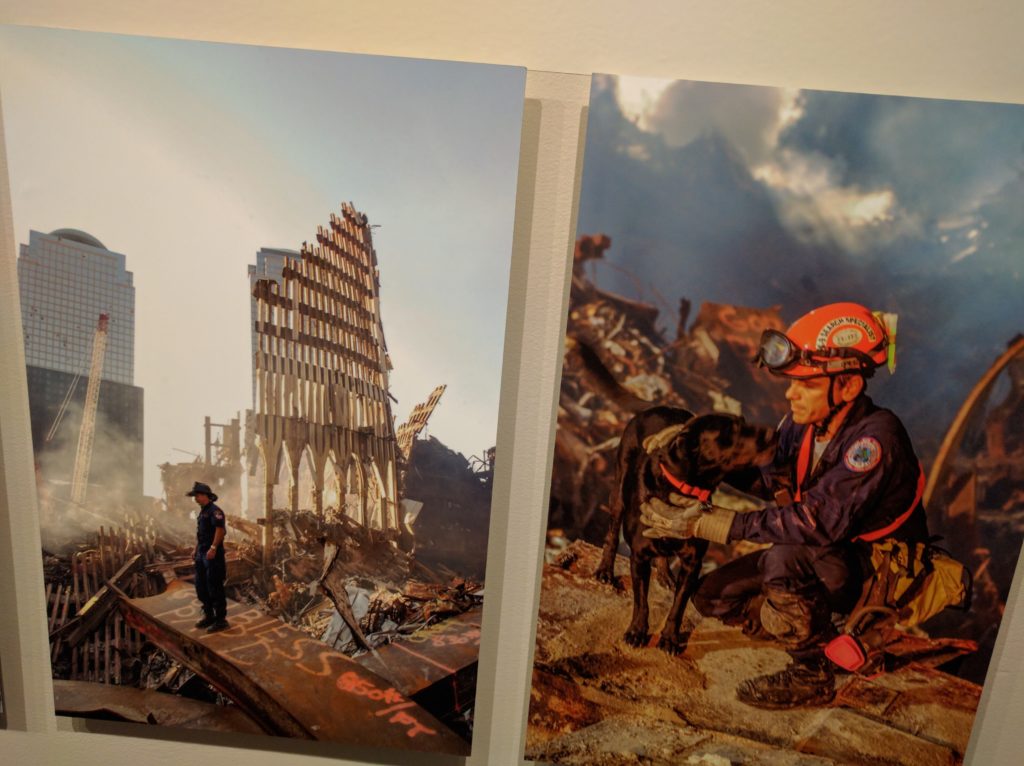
point(749, 117)
point(941, 158)
point(816, 201)
point(819, 209)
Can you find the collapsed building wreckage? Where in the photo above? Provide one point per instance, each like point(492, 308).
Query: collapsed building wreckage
point(339, 564)
point(590, 693)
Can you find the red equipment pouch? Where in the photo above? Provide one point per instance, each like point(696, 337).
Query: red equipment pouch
point(846, 652)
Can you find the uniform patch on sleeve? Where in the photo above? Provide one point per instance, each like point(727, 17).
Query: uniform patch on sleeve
point(863, 454)
point(218, 514)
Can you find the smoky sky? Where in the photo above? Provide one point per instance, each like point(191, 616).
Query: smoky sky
point(940, 157)
point(763, 196)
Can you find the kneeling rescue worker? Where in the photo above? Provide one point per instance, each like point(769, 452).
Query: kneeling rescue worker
point(844, 475)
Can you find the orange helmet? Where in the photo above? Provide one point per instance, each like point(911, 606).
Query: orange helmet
point(832, 340)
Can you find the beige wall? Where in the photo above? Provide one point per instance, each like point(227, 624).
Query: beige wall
point(940, 49)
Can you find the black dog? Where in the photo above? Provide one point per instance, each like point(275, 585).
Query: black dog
point(704, 451)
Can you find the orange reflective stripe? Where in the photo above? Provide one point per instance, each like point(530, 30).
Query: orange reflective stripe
point(803, 461)
point(878, 534)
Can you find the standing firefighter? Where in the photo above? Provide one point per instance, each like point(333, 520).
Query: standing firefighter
point(844, 475)
point(211, 570)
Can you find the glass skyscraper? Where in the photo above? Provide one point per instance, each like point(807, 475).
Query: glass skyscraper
point(66, 279)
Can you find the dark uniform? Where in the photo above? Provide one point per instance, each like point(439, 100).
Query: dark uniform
point(867, 482)
point(210, 573)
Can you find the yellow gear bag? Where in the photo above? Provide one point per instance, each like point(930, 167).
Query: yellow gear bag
point(915, 582)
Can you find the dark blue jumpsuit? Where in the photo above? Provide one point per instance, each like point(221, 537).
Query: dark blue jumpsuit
point(210, 573)
point(867, 477)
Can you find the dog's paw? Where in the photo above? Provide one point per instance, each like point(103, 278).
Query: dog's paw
point(606, 575)
point(672, 644)
point(636, 637)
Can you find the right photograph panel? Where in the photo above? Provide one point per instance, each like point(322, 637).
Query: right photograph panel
point(787, 493)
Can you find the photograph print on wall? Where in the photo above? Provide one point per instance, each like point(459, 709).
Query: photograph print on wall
point(263, 302)
point(788, 476)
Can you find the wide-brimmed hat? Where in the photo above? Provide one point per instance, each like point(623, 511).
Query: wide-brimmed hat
point(202, 489)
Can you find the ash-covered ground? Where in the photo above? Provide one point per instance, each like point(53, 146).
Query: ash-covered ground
point(596, 700)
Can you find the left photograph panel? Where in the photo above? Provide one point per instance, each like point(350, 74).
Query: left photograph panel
point(263, 303)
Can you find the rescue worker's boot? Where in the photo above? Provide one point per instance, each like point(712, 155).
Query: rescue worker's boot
point(804, 683)
point(206, 621)
point(800, 621)
point(217, 625)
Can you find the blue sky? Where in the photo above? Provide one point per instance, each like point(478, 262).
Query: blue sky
point(188, 157)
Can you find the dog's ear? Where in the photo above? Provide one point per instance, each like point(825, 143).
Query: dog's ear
point(715, 441)
point(715, 444)
point(678, 453)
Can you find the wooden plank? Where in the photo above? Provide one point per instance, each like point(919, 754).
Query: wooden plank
point(62, 620)
point(54, 608)
point(86, 577)
point(101, 548)
point(76, 563)
point(53, 621)
point(106, 650)
point(96, 608)
point(118, 646)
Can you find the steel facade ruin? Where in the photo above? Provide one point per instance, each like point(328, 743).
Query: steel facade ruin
point(410, 429)
point(321, 367)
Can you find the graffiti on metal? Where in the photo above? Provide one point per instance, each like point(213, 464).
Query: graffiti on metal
point(390, 702)
point(291, 683)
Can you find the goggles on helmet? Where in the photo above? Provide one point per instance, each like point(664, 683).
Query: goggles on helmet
point(780, 355)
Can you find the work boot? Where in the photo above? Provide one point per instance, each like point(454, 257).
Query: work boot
point(206, 621)
point(218, 625)
point(801, 684)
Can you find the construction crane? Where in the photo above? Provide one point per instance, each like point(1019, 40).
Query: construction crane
point(83, 455)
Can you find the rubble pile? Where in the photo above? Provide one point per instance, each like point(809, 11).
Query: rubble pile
point(450, 529)
point(335, 580)
point(385, 615)
point(999, 468)
point(595, 699)
point(977, 506)
point(365, 552)
point(618, 362)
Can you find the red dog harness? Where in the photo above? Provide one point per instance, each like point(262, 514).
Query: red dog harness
point(686, 489)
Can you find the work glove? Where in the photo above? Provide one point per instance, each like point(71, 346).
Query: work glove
point(685, 517)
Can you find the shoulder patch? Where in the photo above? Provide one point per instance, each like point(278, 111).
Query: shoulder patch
point(218, 513)
point(863, 455)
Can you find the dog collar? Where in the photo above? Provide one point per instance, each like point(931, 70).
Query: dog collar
point(686, 489)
